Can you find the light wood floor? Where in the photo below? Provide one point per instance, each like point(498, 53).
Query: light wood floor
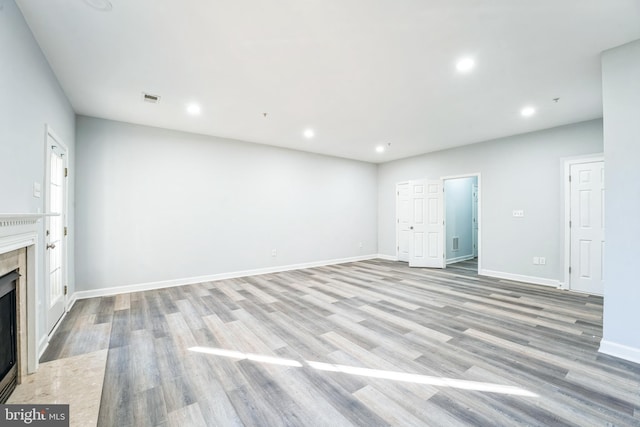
point(368, 343)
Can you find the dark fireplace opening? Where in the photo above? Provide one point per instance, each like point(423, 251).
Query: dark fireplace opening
point(8, 335)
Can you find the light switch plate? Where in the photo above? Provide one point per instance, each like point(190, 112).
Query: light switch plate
point(518, 213)
point(37, 189)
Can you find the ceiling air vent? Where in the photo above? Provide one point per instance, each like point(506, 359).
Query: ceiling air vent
point(153, 99)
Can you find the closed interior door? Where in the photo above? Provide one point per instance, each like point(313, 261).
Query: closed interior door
point(587, 227)
point(55, 232)
point(426, 247)
point(403, 213)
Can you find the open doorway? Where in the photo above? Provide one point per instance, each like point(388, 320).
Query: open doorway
point(461, 222)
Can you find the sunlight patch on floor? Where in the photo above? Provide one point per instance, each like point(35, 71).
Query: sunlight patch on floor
point(372, 373)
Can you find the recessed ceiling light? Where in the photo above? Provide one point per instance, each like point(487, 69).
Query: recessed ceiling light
point(528, 111)
point(193, 109)
point(101, 5)
point(309, 133)
point(380, 149)
point(465, 65)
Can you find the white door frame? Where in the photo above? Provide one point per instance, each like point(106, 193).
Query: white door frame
point(398, 184)
point(566, 190)
point(50, 134)
point(469, 175)
point(475, 192)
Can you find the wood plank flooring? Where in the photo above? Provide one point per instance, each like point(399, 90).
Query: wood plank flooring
point(370, 343)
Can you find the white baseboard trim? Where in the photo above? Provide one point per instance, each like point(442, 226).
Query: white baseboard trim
point(72, 301)
point(44, 341)
point(42, 345)
point(625, 352)
point(139, 287)
point(387, 257)
point(520, 278)
point(459, 259)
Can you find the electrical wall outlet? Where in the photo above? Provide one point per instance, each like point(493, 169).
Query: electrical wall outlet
point(539, 260)
point(274, 253)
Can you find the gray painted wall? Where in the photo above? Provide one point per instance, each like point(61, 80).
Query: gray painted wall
point(458, 216)
point(30, 97)
point(621, 95)
point(519, 172)
point(156, 205)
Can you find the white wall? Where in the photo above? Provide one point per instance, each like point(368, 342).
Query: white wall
point(621, 106)
point(30, 98)
point(458, 216)
point(519, 172)
point(157, 205)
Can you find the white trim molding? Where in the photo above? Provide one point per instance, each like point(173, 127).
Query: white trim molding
point(621, 351)
point(44, 341)
point(387, 257)
point(139, 287)
point(70, 302)
point(521, 278)
point(459, 259)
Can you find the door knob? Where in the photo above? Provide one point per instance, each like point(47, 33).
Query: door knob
point(411, 228)
point(51, 245)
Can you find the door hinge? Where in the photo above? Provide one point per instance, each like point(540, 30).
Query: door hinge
point(569, 178)
point(66, 289)
point(569, 269)
point(569, 224)
point(65, 231)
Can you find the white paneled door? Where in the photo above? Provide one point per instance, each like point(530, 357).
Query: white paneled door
point(587, 227)
point(404, 219)
point(55, 256)
point(426, 243)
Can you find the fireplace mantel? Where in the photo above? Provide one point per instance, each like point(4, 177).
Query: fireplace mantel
point(18, 231)
point(21, 216)
point(10, 219)
point(14, 224)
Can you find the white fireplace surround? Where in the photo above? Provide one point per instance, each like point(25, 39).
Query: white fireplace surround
point(18, 231)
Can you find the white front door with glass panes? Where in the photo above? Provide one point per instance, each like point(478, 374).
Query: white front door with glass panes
point(55, 229)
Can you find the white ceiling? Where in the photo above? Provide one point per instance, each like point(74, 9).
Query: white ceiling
point(359, 72)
